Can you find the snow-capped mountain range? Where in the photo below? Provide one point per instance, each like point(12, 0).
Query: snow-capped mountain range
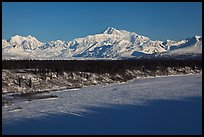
point(110, 44)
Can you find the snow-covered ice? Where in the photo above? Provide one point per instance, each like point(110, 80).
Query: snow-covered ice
point(84, 102)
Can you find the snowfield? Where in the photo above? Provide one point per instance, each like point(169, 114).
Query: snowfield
point(119, 108)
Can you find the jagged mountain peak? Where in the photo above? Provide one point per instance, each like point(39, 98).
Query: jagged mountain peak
point(112, 44)
point(25, 43)
point(197, 38)
point(17, 39)
point(30, 37)
point(109, 30)
point(21, 37)
point(121, 32)
point(194, 39)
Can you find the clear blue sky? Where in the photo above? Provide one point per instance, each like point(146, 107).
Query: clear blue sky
point(68, 20)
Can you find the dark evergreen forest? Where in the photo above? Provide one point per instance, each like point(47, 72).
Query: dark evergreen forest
point(99, 66)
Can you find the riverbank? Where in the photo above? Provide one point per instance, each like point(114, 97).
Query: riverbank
point(22, 81)
point(161, 105)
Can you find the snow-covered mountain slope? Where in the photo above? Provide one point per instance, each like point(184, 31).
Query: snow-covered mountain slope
point(110, 44)
point(4, 43)
point(26, 43)
point(191, 45)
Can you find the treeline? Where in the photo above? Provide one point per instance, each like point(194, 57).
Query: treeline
point(99, 66)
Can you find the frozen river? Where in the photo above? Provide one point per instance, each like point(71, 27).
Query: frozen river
point(162, 105)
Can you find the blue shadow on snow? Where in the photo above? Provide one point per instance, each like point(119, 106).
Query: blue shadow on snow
point(157, 117)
